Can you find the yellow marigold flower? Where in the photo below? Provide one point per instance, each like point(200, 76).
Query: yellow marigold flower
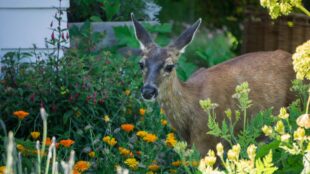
point(127, 127)
point(176, 163)
point(153, 167)
point(231, 155)
point(151, 138)
point(299, 134)
point(301, 61)
point(81, 166)
point(251, 150)
point(219, 150)
point(141, 134)
point(127, 92)
point(210, 159)
point(280, 127)
point(170, 140)
point(106, 118)
point(285, 137)
point(2, 169)
point(20, 148)
point(303, 121)
point(35, 135)
point(124, 151)
point(163, 122)
point(92, 154)
point(67, 142)
point(132, 163)
point(173, 171)
point(20, 114)
point(142, 111)
point(267, 130)
point(283, 114)
point(109, 140)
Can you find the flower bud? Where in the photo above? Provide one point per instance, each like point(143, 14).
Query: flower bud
point(231, 155)
point(280, 127)
point(283, 114)
point(267, 130)
point(251, 152)
point(299, 134)
point(219, 150)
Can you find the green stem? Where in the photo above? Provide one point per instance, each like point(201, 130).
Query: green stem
point(244, 119)
point(307, 109)
point(303, 9)
point(18, 126)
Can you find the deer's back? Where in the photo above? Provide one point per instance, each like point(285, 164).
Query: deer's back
point(269, 75)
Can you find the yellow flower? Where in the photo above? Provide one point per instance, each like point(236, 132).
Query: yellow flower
point(251, 150)
point(20, 114)
point(141, 134)
point(303, 121)
point(106, 118)
point(2, 169)
point(176, 163)
point(163, 122)
point(210, 159)
point(280, 127)
point(127, 92)
point(35, 135)
point(231, 155)
point(301, 61)
point(153, 167)
point(285, 137)
point(20, 148)
point(267, 130)
point(142, 111)
point(109, 140)
point(92, 154)
point(172, 171)
point(124, 151)
point(283, 114)
point(219, 150)
point(299, 134)
point(170, 140)
point(81, 166)
point(132, 163)
point(236, 148)
point(151, 138)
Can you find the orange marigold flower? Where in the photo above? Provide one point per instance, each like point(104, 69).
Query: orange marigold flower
point(141, 134)
point(142, 111)
point(109, 140)
point(20, 148)
point(2, 169)
point(163, 122)
point(20, 114)
point(127, 127)
point(92, 154)
point(35, 135)
point(153, 167)
point(170, 140)
point(81, 166)
point(139, 152)
point(67, 142)
point(124, 151)
point(151, 138)
point(176, 163)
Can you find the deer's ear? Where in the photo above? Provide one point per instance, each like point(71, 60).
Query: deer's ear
point(186, 37)
point(142, 35)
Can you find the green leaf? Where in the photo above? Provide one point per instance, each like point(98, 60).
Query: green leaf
point(95, 19)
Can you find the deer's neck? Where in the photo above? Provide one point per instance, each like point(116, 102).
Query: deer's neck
point(175, 98)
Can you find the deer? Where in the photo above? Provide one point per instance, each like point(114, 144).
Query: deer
point(268, 73)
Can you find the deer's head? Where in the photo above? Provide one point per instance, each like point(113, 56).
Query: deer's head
point(157, 63)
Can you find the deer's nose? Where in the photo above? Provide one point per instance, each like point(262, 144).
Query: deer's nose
point(149, 92)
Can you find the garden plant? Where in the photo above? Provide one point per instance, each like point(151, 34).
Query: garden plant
point(83, 112)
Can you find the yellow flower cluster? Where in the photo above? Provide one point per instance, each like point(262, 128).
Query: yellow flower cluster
point(109, 140)
point(132, 163)
point(280, 7)
point(151, 138)
point(301, 61)
point(125, 152)
point(170, 140)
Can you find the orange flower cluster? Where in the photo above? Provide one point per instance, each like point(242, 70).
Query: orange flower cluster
point(109, 140)
point(151, 138)
point(67, 142)
point(170, 140)
point(125, 152)
point(142, 111)
point(164, 122)
point(80, 167)
point(20, 114)
point(127, 127)
point(176, 163)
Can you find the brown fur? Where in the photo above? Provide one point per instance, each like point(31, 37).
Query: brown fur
point(269, 75)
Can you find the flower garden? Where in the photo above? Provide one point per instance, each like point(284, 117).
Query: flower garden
point(83, 112)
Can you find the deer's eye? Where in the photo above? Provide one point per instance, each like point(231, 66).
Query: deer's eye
point(169, 68)
point(141, 64)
